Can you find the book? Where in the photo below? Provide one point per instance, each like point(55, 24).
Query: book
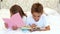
point(15, 20)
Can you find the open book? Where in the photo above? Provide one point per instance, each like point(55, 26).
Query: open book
point(15, 20)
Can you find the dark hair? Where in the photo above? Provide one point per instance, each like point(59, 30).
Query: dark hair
point(17, 9)
point(37, 7)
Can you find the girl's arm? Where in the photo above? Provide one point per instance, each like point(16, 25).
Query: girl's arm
point(14, 27)
point(6, 25)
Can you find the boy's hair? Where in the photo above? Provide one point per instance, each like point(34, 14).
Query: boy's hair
point(37, 7)
point(17, 9)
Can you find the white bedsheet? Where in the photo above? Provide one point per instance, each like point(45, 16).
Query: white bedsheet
point(54, 21)
point(54, 24)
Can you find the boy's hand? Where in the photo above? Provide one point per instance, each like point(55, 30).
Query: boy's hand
point(14, 27)
point(33, 26)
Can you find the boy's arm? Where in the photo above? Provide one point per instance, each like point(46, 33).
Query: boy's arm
point(46, 28)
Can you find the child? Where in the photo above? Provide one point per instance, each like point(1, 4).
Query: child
point(37, 21)
point(16, 9)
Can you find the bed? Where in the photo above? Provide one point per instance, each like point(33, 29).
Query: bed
point(52, 17)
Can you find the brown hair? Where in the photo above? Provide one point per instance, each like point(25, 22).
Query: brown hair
point(37, 7)
point(17, 9)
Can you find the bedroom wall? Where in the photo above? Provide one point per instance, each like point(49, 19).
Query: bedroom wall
point(26, 4)
point(59, 7)
point(0, 4)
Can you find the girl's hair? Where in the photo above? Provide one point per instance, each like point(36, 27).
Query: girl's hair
point(37, 7)
point(17, 9)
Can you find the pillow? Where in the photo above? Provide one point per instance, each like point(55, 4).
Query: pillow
point(4, 13)
point(50, 11)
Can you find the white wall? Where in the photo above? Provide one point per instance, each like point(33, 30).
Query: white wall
point(26, 4)
point(0, 4)
point(59, 7)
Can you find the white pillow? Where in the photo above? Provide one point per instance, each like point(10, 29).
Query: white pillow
point(28, 13)
point(50, 11)
point(4, 13)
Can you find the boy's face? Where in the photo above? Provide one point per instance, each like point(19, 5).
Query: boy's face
point(36, 16)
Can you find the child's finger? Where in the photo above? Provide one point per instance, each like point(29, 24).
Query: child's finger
point(14, 27)
point(6, 25)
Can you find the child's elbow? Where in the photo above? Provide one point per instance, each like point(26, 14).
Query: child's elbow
point(47, 28)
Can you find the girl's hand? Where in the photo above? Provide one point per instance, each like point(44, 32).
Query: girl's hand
point(6, 25)
point(14, 27)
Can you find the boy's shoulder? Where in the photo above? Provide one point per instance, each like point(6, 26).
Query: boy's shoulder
point(43, 16)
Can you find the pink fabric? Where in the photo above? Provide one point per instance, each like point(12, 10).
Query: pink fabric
point(15, 20)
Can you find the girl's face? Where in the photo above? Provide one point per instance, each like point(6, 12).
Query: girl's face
point(36, 16)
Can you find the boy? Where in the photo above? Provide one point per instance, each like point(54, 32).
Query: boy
point(37, 21)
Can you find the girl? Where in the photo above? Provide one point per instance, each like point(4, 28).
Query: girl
point(16, 9)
